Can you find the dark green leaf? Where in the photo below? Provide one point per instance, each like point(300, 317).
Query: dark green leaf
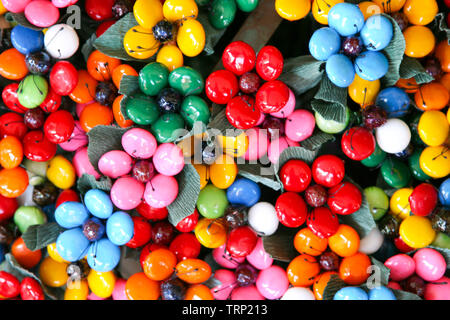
point(111, 42)
point(384, 271)
point(403, 295)
point(189, 189)
point(302, 73)
point(329, 92)
point(441, 22)
point(334, 285)
point(88, 47)
point(213, 35)
point(88, 182)
point(316, 141)
point(129, 262)
point(103, 139)
point(412, 68)
point(212, 282)
point(330, 111)
point(330, 101)
point(362, 220)
point(260, 174)
point(394, 52)
point(40, 236)
point(129, 85)
point(279, 245)
point(209, 259)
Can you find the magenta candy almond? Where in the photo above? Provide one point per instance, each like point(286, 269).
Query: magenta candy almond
point(300, 125)
point(250, 293)
point(115, 164)
point(272, 282)
point(402, 267)
point(15, 6)
point(41, 13)
point(161, 191)
point(126, 193)
point(168, 159)
point(430, 264)
point(139, 143)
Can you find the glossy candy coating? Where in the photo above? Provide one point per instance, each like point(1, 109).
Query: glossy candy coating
point(395, 101)
point(324, 43)
point(340, 70)
point(27, 40)
point(103, 255)
point(347, 19)
point(244, 192)
point(371, 65)
point(120, 228)
point(269, 63)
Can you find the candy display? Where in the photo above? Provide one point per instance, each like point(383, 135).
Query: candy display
point(224, 150)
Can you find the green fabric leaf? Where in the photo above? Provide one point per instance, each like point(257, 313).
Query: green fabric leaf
point(88, 182)
point(186, 201)
point(330, 101)
point(404, 295)
point(280, 245)
point(329, 92)
point(259, 174)
point(88, 47)
point(111, 42)
point(334, 285)
point(385, 271)
point(11, 266)
point(394, 52)
point(302, 73)
point(213, 35)
point(316, 141)
point(441, 22)
point(129, 85)
point(103, 139)
point(40, 236)
point(362, 220)
point(129, 262)
point(212, 282)
point(209, 259)
point(412, 68)
point(330, 111)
